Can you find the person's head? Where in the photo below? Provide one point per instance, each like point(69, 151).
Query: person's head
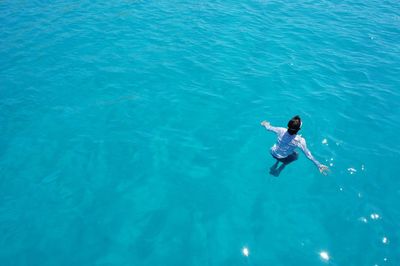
point(294, 125)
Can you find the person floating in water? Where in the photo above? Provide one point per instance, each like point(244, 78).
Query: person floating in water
point(288, 140)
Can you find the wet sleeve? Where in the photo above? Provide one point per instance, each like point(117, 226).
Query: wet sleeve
point(303, 146)
point(277, 130)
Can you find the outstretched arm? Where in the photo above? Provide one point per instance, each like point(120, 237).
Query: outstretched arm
point(268, 126)
point(322, 168)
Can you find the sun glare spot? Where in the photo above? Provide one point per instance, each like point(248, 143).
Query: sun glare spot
point(245, 251)
point(324, 255)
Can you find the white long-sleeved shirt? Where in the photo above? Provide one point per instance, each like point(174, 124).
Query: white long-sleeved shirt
point(286, 144)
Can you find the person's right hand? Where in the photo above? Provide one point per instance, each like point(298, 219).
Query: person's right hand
point(264, 123)
point(323, 169)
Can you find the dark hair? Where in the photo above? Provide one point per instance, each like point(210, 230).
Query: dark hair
point(294, 125)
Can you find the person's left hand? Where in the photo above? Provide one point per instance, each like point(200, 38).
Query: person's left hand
point(264, 123)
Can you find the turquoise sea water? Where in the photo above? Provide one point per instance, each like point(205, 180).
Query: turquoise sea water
point(130, 132)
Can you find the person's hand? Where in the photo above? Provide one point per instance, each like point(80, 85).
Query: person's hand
point(264, 123)
point(323, 169)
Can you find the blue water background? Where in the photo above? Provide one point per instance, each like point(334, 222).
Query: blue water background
point(130, 132)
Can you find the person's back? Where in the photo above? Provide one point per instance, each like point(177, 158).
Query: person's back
point(288, 140)
point(285, 144)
